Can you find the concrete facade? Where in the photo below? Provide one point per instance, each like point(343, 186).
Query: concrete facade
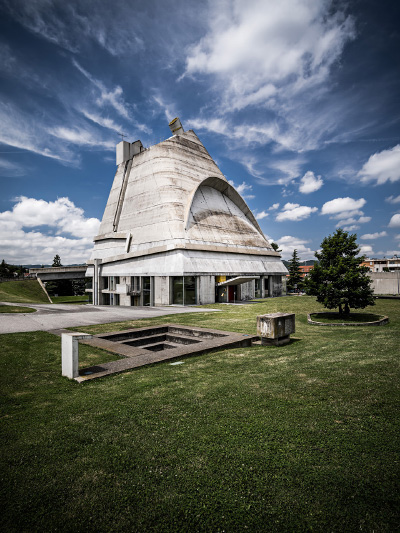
point(175, 232)
point(385, 282)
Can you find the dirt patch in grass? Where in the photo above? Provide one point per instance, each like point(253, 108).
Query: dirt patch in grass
point(354, 319)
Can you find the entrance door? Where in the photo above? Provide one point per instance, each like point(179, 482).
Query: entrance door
point(231, 293)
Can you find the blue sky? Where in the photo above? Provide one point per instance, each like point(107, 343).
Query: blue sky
point(297, 101)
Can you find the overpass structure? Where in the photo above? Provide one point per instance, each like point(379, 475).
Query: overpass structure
point(59, 273)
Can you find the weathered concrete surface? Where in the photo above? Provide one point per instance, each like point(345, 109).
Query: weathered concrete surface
point(172, 196)
point(57, 273)
point(275, 328)
point(141, 346)
point(57, 316)
point(385, 282)
point(70, 353)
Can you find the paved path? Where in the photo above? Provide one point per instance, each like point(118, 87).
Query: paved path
point(58, 316)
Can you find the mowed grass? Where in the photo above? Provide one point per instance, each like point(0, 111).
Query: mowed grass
point(79, 300)
point(16, 309)
point(27, 291)
point(302, 437)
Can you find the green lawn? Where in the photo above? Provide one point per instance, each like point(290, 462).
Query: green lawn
point(16, 309)
point(27, 291)
point(79, 300)
point(302, 437)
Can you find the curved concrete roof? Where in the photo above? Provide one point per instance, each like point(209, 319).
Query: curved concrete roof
point(173, 195)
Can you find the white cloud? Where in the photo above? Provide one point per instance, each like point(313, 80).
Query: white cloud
point(65, 230)
point(351, 228)
point(366, 249)
point(343, 207)
point(310, 183)
point(393, 199)
point(80, 137)
point(242, 188)
point(260, 216)
point(376, 235)
point(382, 167)
point(105, 122)
point(361, 220)
point(395, 221)
point(273, 207)
point(257, 47)
point(288, 243)
point(294, 212)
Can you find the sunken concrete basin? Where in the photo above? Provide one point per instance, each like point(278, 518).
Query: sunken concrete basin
point(144, 346)
point(274, 329)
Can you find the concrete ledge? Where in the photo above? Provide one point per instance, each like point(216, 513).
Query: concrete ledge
point(144, 346)
point(381, 322)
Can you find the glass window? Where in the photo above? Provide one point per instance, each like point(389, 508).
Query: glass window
point(105, 282)
point(146, 281)
point(177, 290)
point(88, 283)
point(189, 290)
point(184, 290)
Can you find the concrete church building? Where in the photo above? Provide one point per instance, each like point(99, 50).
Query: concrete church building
point(175, 232)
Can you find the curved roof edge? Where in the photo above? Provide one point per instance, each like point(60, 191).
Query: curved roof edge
point(225, 188)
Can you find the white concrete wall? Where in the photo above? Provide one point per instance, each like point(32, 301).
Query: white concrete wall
point(206, 290)
point(161, 290)
point(385, 282)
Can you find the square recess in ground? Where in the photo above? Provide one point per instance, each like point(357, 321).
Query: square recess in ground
point(144, 346)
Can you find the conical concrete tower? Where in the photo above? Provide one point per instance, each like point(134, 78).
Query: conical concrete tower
point(174, 231)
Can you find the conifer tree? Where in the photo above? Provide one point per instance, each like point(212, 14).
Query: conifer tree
point(295, 280)
point(338, 280)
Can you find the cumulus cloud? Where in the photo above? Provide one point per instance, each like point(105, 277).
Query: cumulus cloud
point(393, 199)
point(366, 249)
point(395, 221)
point(343, 207)
point(36, 230)
point(242, 188)
point(351, 220)
point(353, 227)
point(294, 212)
point(382, 167)
point(273, 207)
point(288, 244)
point(310, 183)
point(260, 216)
point(377, 235)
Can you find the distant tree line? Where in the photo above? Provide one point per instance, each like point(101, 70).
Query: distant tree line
point(11, 271)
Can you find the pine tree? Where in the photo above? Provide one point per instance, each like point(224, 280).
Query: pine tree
point(338, 280)
point(295, 280)
point(56, 261)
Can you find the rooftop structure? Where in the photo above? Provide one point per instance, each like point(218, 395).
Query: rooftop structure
point(174, 231)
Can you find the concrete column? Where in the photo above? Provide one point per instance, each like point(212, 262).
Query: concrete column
point(96, 268)
point(70, 353)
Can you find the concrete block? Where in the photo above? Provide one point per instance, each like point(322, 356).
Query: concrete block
point(275, 328)
point(70, 353)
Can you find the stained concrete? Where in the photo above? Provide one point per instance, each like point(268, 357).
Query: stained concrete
point(153, 344)
point(58, 316)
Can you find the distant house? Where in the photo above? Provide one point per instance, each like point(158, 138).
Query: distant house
point(305, 270)
point(382, 265)
point(175, 232)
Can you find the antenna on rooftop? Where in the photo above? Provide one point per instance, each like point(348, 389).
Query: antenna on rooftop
point(122, 136)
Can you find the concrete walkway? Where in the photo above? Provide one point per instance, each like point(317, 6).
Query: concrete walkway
point(58, 316)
